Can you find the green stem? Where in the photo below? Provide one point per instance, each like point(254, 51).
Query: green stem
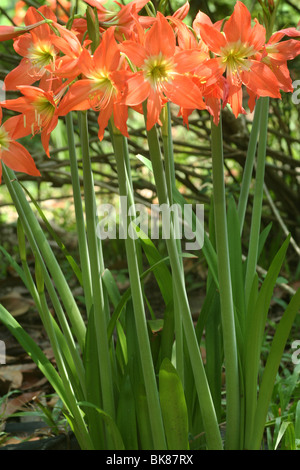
point(227, 309)
point(212, 431)
point(248, 169)
point(171, 182)
point(137, 299)
point(98, 297)
point(80, 224)
point(37, 239)
point(257, 202)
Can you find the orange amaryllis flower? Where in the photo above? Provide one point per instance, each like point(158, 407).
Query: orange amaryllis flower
point(37, 49)
point(38, 108)
point(101, 89)
point(235, 49)
point(12, 153)
point(276, 54)
point(160, 75)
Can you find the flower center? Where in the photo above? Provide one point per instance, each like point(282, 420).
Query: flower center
point(158, 69)
point(44, 111)
point(103, 89)
point(235, 57)
point(4, 139)
point(42, 54)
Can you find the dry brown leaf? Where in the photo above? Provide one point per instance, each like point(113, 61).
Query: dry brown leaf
point(11, 375)
point(15, 404)
point(16, 303)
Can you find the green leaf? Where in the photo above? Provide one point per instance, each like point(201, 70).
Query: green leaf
point(34, 352)
point(255, 327)
point(208, 250)
point(262, 239)
point(297, 421)
point(268, 379)
point(54, 235)
point(111, 426)
point(127, 295)
point(160, 270)
point(167, 336)
point(137, 383)
point(173, 406)
point(15, 265)
point(92, 382)
point(111, 287)
point(236, 265)
point(281, 433)
point(126, 415)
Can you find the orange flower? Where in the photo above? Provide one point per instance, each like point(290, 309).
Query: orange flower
point(161, 74)
point(276, 54)
point(37, 49)
point(102, 87)
point(235, 50)
point(12, 153)
point(38, 108)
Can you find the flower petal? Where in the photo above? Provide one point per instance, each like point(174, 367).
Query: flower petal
point(212, 38)
point(22, 75)
point(183, 92)
point(137, 90)
point(19, 159)
point(261, 80)
point(238, 27)
point(154, 106)
point(107, 55)
point(160, 39)
point(77, 98)
point(135, 52)
point(120, 118)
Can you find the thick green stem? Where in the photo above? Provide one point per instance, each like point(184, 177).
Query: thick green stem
point(225, 288)
point(257, 202)
point(248, 169)
point(98, 297)
point(80, 223)
point(137, 299)
point(213, 438)
point(171, 182)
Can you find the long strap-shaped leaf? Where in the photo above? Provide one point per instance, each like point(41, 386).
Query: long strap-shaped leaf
point(255, 325)
point(40, 245)
point(271, 369)
point(33, 351)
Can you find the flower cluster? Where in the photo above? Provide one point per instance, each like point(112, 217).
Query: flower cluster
point(127, 60)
